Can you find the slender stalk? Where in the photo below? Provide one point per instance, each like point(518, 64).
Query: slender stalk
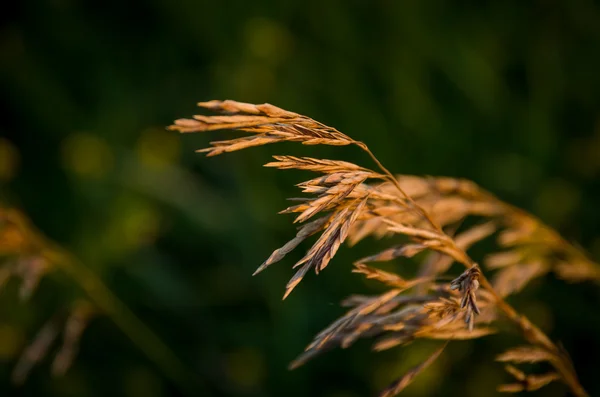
point(140, 334)
point(395, 182)
point(530, 332)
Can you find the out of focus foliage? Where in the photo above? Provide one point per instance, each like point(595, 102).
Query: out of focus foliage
point(505, 93)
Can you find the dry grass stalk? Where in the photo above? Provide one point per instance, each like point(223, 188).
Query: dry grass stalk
point(526, 382)
point(391, 279)
point(73, 327)
point(36, 351)
point(534, 248)
point(268, 123)
point(28, 255)
point(22, 251)
point(355, 202)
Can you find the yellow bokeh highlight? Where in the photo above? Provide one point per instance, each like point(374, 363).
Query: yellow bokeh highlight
point(9, 160)
point(87, 155)
point(246, 367)
point(267, 39)
point(157, 148)
point(11, 240)
point(140, 226)
point(134, 223)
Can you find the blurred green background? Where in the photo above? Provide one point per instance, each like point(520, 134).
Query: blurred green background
point(504, 93)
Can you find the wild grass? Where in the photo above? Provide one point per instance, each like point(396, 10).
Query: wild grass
point(347, 203)
point(28, 256)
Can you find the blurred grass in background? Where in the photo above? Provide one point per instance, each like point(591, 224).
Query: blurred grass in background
point(506, 94)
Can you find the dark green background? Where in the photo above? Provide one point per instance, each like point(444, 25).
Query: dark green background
point(504, 93)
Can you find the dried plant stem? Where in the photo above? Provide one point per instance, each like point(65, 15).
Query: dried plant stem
point(135, 329)
point(395, 182)
point(419, 209)
point(530, 332)
point(142, 336)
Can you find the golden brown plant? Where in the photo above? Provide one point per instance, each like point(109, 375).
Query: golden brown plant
point(353, 202)
point(27, 254)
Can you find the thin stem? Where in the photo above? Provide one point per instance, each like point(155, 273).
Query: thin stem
point(530, 332)
point(395, 182)
point(142, 336)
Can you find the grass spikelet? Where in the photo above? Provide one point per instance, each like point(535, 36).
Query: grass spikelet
point(421, 215)
point(324, 249)
point(268, 123)
point(526, 382)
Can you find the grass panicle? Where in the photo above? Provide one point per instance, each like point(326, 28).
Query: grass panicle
point(422, 215)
